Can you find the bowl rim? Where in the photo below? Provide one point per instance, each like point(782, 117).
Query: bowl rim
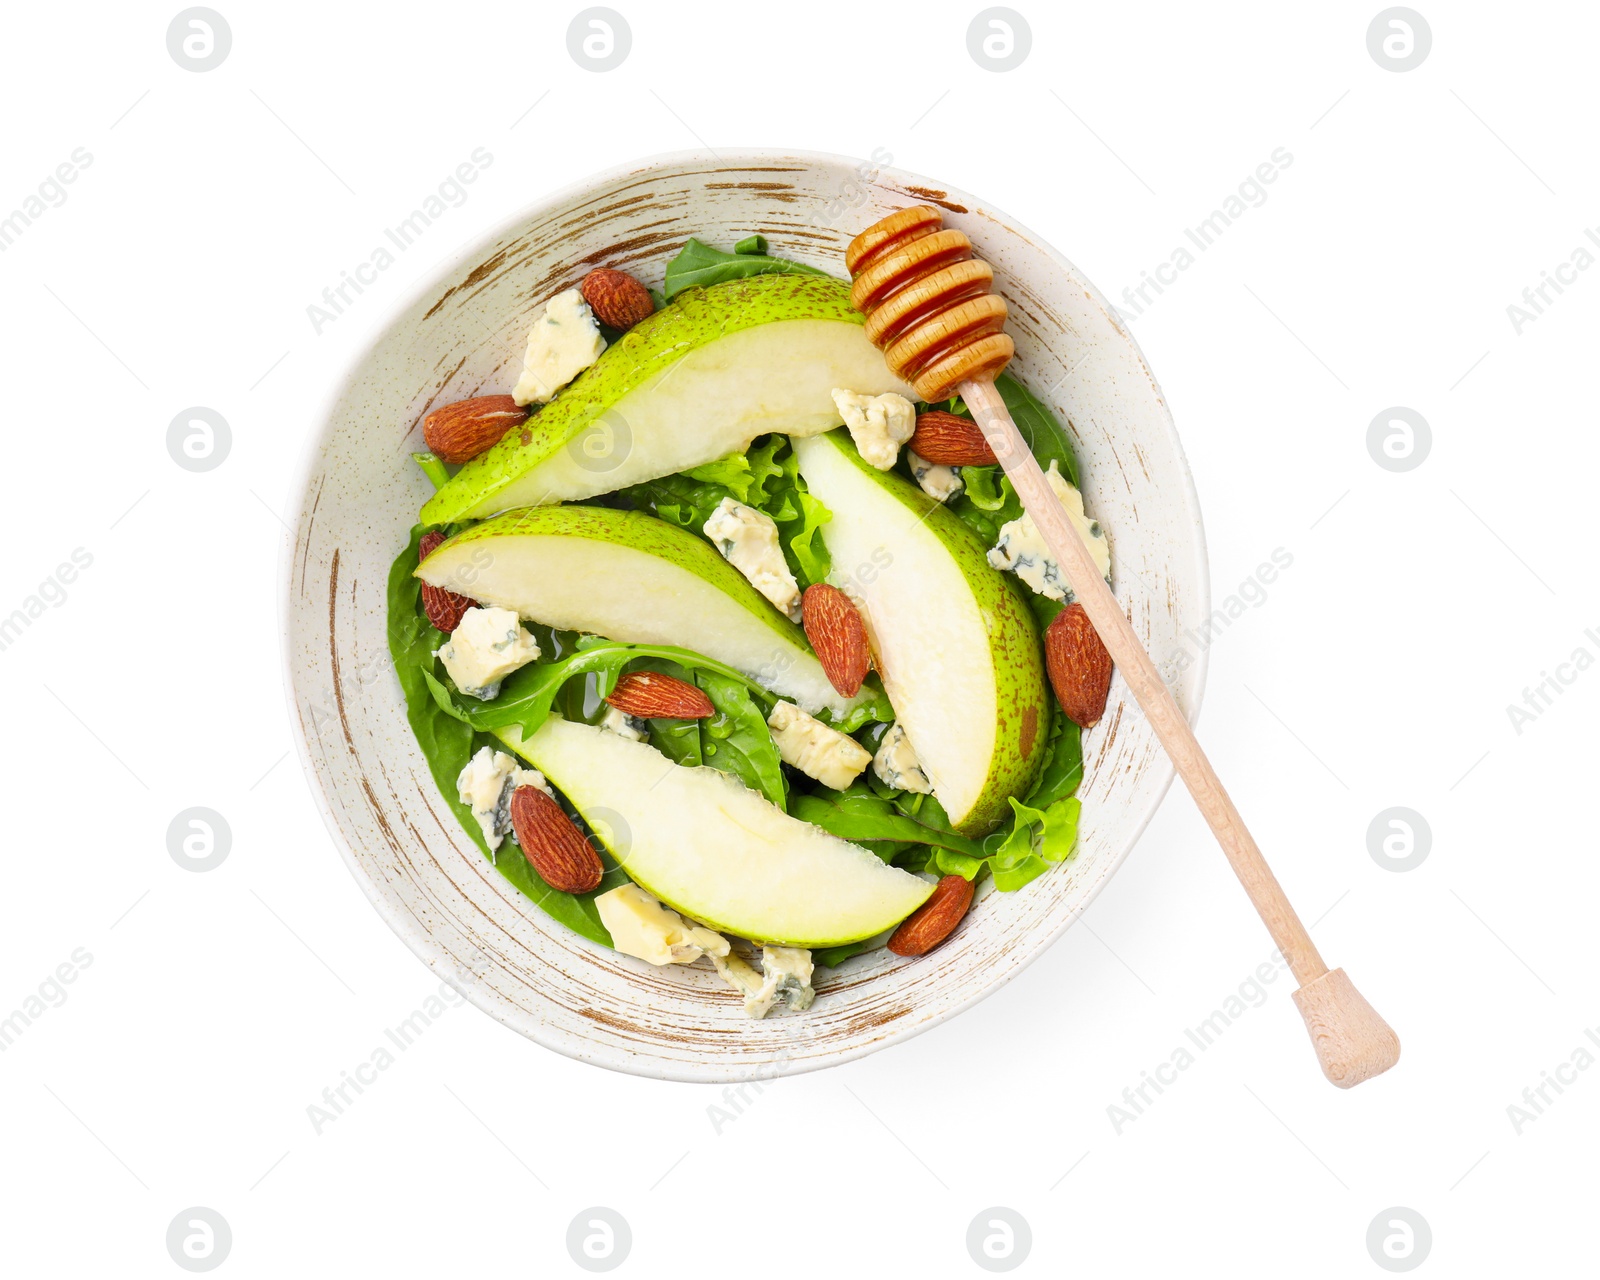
point(429, 279)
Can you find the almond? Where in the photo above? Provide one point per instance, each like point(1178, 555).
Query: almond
point(949, 440)
point(444, 608)
point(616, 298)
point(652, 696)
point(935, 920)
point(459, 432)
point(1079, 666)
point(553, 846)
point(838, 635)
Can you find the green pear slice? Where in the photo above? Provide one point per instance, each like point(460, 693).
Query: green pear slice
point(633, 578)
point(713, 849)
point(956, 646)
point(694, 382)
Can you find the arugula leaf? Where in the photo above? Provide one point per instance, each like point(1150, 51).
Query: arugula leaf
point(528, 694)
point(432, 467)
point(447, 744)
point(698, 264)
point(736, 739)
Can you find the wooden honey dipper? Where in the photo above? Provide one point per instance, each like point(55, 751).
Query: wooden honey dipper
point(928, 304)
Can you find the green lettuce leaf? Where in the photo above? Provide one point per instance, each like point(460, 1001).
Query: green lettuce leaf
point(731, 473)
point(1038, 839)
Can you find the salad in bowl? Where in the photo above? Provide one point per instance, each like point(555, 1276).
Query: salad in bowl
point(727, 651)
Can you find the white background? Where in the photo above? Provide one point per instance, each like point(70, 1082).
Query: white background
point(218, 1006)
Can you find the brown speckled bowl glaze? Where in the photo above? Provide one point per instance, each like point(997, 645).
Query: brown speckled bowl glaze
point(462, 335)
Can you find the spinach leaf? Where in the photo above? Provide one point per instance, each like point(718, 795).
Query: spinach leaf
point(873, 708)
point(678, 740)
point(698, 264)
point(447, 743)
point(736, 739)
point(833, 957)
point(858, 815)
point(1063, 766)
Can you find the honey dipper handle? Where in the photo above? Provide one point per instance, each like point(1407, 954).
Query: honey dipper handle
point(1352, 1042)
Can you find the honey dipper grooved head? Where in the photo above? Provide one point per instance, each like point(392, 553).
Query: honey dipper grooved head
point(928, 302)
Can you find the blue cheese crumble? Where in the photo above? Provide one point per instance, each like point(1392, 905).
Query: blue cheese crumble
point(487, 647)
point(940, 483)
point(485, 787)
point(834, 759)
point(785, 979)
point(623, 725)
point(641, 926)
point(878, 424)
point(748, 540)
point(563, 342)
point(1022, 550)
point(896, 764)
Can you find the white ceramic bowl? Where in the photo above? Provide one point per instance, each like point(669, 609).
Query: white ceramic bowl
point(462, 335)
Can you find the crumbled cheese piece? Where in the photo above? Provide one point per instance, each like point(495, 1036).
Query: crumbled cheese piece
point(625, 726)
point(878, 424)
point(897, 764)
point(563, 342)
point(785, 977)
point(939, 482)
point(748, 540)
point(1021, 548)
point(487, 647)
point(485, 787)
point(640, 926)
point(834, 759)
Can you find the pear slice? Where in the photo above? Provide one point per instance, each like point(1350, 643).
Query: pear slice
point(714, 850)
point(694, 382)
point(956, 646)
point(633, 578)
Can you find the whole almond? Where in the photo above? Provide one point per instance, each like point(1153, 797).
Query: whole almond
point(949, 440)
point(553, 846)
point(444, 608)
point(652, 696)
point(935, 920)
point(459, 432)
point(838, 635)
point(1078, 664)
point(616, 298)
